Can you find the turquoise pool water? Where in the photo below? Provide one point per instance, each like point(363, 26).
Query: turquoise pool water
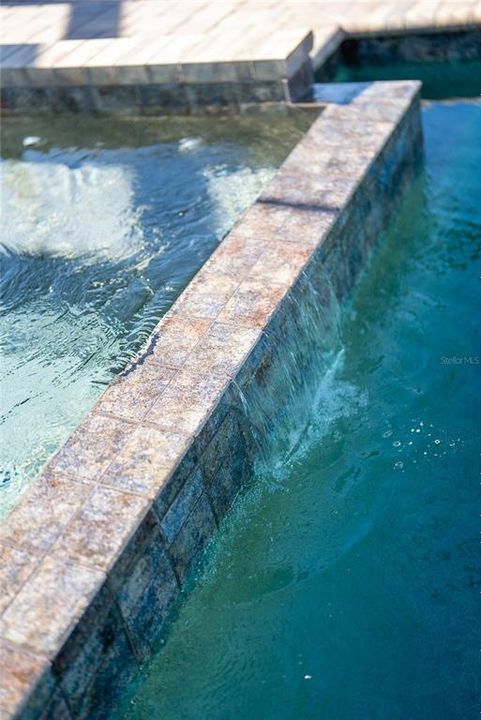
point(441, 79)
point(345, 584)
point(103, 224)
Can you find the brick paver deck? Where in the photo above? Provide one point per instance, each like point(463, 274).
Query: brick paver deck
point(189, 42)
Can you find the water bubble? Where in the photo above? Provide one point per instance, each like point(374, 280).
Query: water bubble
point(307, 677)
point(188, 144)
point(397, 443)
point(31, 140)
point(399, 465)
point(437, 442)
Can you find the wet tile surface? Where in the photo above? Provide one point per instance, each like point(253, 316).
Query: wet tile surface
point(146, 461)
point(135, 391)
point(16, 566)
point(23, 672)
point(96, 551)
point(49, 604)
point(90, 449)
point(44, 510)
point(100, 528)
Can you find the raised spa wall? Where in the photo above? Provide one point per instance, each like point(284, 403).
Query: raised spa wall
point(98, 550)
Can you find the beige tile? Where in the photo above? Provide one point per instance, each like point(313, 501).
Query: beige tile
point(49, 605)
point(16, 565)
point(92, 447)
point(237, 254)
point(175, 337)
point(205, 296)
point(188, 401)
point(222, 350)
point(46, 508)
point(20, 673)
point(282, 264)
point(136, 390)
point(100, 529)
point(253, 303)
point(147, 461)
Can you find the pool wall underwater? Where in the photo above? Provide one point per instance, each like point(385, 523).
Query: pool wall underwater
point(98, 550)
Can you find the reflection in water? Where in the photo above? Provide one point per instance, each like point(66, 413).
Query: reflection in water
point(97, 243)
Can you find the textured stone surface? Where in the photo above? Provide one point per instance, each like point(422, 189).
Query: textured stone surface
point(44, 511)
point(49, 605)
point(100, 527)
point(192, 538)
point(89, 450)
point(23, 674)
point(136, 390)
point(144, 585)
point(164, 58)
point(146, 462)
point(96, 660)
point(16, 566)
point(96, 551)
point(224, 463)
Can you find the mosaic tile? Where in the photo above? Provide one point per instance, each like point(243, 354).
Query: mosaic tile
point(169, 491)
point(223, 463)
point(182, 506)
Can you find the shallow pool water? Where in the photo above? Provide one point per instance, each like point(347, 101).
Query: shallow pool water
point(104, 222)
point(347, 584)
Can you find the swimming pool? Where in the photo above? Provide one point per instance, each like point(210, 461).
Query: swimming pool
point(104, 223)
point(345, 581)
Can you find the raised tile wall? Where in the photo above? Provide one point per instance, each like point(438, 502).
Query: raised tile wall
point(97, 551)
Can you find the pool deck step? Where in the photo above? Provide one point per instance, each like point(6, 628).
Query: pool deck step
point(156, 55)
point(98, 549)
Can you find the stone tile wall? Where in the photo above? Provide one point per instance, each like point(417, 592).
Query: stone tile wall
point(97, 551)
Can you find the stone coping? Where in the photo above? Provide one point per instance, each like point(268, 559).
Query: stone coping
point(156, 57)
point(100, 545)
